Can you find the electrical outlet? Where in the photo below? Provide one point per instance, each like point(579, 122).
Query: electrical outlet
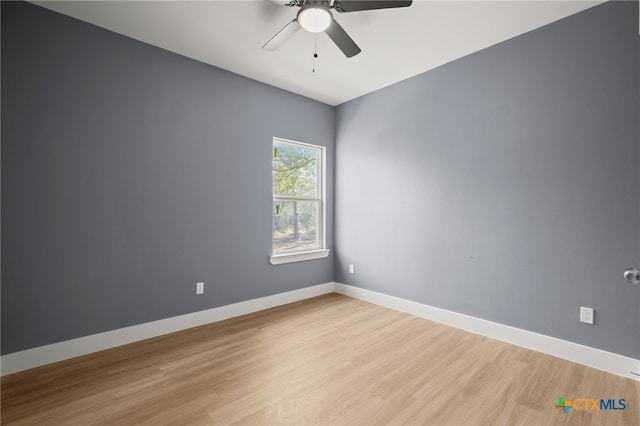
point(352, 269)
point(586, 315)
point(200, 288)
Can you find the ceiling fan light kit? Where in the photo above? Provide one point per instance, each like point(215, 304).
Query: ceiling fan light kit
point(315, 16)
point(315, 19)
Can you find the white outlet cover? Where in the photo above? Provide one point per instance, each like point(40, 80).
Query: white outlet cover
point(586, 315)
point(200, 288)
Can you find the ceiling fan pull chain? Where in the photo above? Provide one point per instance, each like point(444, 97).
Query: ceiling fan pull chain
point(315, 50)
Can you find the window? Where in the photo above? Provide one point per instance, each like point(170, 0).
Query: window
point(298, 202)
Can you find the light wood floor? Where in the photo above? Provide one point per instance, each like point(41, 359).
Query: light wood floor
point(330, 360)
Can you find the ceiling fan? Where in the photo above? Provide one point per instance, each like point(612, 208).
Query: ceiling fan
point(315, 16)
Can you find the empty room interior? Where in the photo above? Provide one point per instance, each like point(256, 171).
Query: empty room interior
point(320, 212)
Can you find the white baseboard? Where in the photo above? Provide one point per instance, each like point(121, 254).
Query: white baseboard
point(591, 357)
point(30, 358)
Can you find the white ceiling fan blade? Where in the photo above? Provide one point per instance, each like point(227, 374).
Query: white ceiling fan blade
point(281, 36)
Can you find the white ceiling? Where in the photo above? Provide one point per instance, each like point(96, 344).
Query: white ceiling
point(396, 43)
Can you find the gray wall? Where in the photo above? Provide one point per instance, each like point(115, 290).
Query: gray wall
point(504, 185)
point(130, 173)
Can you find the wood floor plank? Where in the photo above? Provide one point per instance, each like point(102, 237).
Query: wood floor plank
point(330, 360)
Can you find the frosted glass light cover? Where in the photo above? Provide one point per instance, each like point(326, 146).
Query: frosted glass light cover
point(314, 19)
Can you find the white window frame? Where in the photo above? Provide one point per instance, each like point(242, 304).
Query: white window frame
point(298, 255)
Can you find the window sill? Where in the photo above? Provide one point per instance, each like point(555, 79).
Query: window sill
point(278, 259)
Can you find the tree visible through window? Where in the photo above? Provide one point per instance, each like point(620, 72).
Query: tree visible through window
point(297, 197)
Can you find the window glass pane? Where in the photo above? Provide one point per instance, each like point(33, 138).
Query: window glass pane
point(295, 171)
point(295, 225)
